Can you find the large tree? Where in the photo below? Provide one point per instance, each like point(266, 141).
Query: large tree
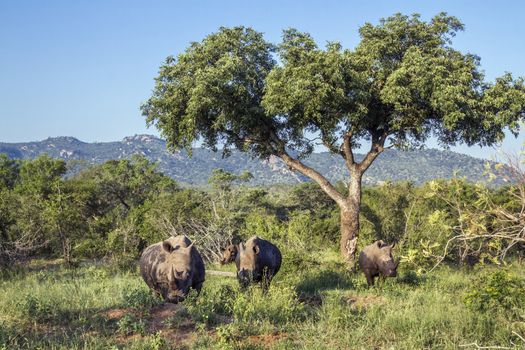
point(402, 84)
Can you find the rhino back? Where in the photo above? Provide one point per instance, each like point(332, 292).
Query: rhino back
point(150, 261)
point(269, 255)
point(198, 267)
point(368, 258)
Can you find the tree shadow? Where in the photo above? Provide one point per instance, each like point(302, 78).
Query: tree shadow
point(103, 326)
point(64, 329)
point(315, 283)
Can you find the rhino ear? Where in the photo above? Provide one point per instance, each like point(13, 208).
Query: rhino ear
point(393, 245)
point(166, 245)
point(256, 249)
point(380, 243)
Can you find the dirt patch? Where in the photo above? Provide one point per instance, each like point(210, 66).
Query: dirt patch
point(180, 338)
point(123, 339)
point(365, 301)
point(115, 314)
point(266, 340)
point(167, 315)
point(172, 320)
point(166, 310)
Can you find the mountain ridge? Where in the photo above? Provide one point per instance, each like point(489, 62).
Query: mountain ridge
point(416, 166)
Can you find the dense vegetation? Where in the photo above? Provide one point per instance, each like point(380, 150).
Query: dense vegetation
point(69, 247)
point(115, 209)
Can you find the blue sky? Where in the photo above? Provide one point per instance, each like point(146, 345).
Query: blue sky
point(82, 68)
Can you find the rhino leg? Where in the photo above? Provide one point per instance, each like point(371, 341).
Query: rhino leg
point(198, 288)
point(266, 280)
point(265, 284)
point(158, 294)
point(382, 279)
point(369, 278)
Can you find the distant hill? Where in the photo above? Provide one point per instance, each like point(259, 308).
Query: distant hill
point(416, 166)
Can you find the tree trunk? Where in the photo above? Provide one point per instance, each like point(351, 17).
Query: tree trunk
point(350, 220)
point(350, 205)
point(66, 248)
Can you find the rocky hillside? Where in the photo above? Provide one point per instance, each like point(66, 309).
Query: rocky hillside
point(416, 166)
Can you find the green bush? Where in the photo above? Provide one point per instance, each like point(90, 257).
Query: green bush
point(35, 308)
point(211, 304)
point(411, 278)
point(279, 306)
point(129, 324)
point(138, 298)
point(90, 248)
point(498, 291)
point(153, 342)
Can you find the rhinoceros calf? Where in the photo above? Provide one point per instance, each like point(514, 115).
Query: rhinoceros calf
point(257, 261)
point(172, 267)
point(376, 259)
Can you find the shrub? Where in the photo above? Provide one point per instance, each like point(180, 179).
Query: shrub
point(138, 298)
point(151, 342)
point(35, 308)
point(206, 307)
point(411, 278)
point(279, 306)
point(499, 291)
point(129, 324)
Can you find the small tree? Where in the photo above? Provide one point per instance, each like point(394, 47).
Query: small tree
point(63, 218)
point(401, 84)
point(9, 172)
point(225, 210)
point(491, 223)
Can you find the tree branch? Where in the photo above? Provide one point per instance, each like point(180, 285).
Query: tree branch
point(348, 154)
point(314, 175)
point(378, 143)
point(328, 142)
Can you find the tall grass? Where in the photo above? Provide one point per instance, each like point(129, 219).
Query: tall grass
point(323, 307)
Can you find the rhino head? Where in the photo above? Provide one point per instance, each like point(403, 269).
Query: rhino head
point(248, 270)
point(229, 254)
point(178, 270)
point(385, 260)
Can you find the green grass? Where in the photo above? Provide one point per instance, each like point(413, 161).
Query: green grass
point(319, 307)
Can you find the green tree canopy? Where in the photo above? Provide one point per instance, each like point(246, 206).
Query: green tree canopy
point(39, 176)
point(9, 172)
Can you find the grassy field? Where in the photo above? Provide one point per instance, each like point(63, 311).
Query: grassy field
point(47, 306)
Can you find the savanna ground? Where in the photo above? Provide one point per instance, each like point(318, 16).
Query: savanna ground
point(45, 305)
